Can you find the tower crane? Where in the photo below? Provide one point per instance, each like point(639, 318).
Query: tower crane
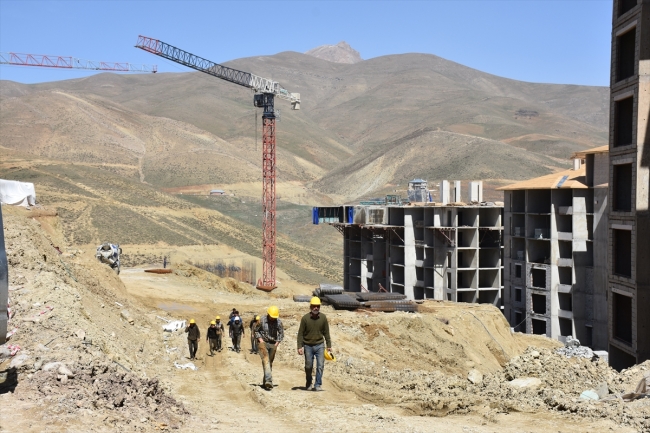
point(67, 62)
point(266, 91)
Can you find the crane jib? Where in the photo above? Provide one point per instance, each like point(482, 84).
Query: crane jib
point(193, 61)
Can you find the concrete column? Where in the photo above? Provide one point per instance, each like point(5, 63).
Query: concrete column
point(444, 192)
point(409, 257)
point(456, 196)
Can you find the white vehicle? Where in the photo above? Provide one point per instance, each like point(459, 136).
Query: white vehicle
point(110, 254)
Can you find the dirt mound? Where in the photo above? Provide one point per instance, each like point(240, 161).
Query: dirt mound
point(102, 385)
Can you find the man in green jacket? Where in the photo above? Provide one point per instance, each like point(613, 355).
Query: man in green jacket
point(313, 338)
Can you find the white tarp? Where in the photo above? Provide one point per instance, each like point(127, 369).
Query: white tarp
point(17, 193)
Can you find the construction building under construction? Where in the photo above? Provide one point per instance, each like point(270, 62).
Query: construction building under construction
point(628, 286)
point(555, 245)
point(447, 250)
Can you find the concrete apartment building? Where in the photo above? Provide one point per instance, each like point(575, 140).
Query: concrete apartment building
point(628, 286)
point(555, 255)
point(423, 250)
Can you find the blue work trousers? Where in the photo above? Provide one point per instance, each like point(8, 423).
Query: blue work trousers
point(316, 351)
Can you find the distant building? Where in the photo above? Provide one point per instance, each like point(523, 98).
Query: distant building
point(555, 252)
point(422, 250)
point(629, 185)
point(217, 192)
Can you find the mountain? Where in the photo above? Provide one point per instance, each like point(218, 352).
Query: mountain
point(352, 116)
point(339, 53)
point(113, 148)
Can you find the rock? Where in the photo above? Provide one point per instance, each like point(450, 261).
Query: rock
point(525, 382)
point(41, 347)
point(52, 366)
point(63, 370)
point(127, 316)
point(18, 361)
point(534, 354)
point(81, 334)
point(602, 390)
point(589, 395)
point(475, 376)
point(63, 378)
point(38, 364)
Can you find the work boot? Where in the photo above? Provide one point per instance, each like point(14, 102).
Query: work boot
point(308, 372)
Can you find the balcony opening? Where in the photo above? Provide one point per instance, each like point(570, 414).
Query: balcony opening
point(622, 306)
point(623, 122)
point(565, 302)
point(625, 5)
point(622, 187)
point(566, 327)
point(566, 275)
point(622, 246)
point(539, 304)
point(625, 47)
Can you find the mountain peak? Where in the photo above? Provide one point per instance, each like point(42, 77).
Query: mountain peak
point(339, 53)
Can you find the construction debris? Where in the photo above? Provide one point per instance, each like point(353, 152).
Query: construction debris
point(573, 349)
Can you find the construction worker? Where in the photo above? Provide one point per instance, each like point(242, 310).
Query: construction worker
point(211, 337)
point(220, 332)
point(193, 336)
point(236, 332)
point(269, 334)
point(313, 338)
point(254, 323)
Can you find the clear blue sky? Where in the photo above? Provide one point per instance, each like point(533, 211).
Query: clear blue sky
point(550, 41)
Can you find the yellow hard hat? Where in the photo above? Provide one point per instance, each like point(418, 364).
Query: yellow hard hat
point(315, 301)
point(273, 312)
point(218, 318)
point(257, 317)
point(192, 321)
point(330, 356)
point(213, 323)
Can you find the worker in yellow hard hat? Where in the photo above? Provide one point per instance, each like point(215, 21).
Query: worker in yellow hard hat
point(269, 334)
point(220, 331)
point(193, 337)
point(255, 321)
point(313, 341)
point(211, 337)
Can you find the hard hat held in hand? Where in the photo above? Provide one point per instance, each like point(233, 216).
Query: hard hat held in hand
point(330, 356)
point(273, 312)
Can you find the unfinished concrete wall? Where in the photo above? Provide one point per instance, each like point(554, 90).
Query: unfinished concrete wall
point(630, 108)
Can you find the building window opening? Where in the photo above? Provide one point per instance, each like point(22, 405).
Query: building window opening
point(539, 327)
point(517, 271)
point(538, 277)
point(539, 304)
point(625, 5)
point(623, 187)
point(518, 320)
point(622, 317)
point(622, 252)
point(517, 295)
point(623, 122)
point(625, 47)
